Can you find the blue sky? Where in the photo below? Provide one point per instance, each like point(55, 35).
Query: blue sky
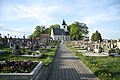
point(19, 17)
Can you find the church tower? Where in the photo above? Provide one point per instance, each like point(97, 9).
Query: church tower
point(64, 26)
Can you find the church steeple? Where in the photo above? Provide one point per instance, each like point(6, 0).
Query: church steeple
point(64, 26)
point(64, 22)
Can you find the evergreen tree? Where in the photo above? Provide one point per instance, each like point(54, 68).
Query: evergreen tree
point(96, 36)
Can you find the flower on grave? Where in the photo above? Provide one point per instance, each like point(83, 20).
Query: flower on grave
point(13, 68)
point(29, 63)
point(16, 66)
point(23, 64)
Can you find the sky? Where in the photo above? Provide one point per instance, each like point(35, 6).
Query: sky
point(19, 17)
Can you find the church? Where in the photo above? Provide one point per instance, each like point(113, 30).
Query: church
point(61, 34)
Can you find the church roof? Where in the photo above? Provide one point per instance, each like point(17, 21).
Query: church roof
point(58, 31)
point(64, 22)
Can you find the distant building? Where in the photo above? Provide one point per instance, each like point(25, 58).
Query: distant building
point(45, 38)
point(60, 34)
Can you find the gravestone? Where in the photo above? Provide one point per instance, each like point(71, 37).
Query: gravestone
point(16, 49)
point(30, 46)
point(106, 49)
point(90, 47)
point(11, 44)
point(97, 48)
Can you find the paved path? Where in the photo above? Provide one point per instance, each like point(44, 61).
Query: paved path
point(67, 66)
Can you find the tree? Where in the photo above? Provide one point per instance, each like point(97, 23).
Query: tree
point(37, 32)
point(92, 37)
point(78, 30)
point(96, 36)
point(30, 36)
point(47, 31)
point(53, 26)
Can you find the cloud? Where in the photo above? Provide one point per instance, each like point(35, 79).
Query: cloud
point(100, 11)
point(98, 18)
point(36, 12)
point(1, 24)
point(19, 32)
point(15, 30)
point(11, 33)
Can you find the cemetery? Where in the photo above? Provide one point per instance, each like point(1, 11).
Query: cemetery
point(105, 48)
point(59, 40)
point(42, 56)
point(105, 66)
point(22, 58)
point(25, 59)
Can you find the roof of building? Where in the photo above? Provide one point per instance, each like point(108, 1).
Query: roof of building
point(64, 22)
point(58, 31)
point(45, 36)
point(67, 33)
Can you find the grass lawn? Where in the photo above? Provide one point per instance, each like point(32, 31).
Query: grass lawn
point(106, 68)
